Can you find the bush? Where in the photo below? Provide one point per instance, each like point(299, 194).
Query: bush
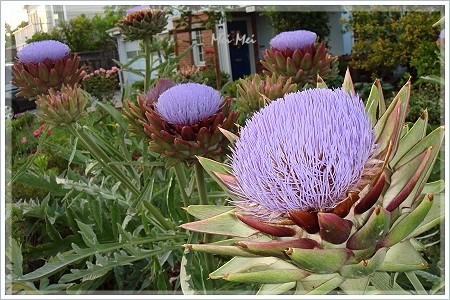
point(426, 96)
point(387, 40)
point(102, 83)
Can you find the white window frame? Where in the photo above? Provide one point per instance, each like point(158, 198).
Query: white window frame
point(198, 50)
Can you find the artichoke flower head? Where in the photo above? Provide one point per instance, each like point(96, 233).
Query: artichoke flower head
point(298, 55)
point(182, 121)
point(322, 189)
point(43, 65)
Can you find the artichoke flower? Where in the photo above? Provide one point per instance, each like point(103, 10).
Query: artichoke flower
point(297, 54)
point(62, 107)
point(325, 193)
point(43, 65)
point(184, 121)
point(142, 22)
point(255, 92)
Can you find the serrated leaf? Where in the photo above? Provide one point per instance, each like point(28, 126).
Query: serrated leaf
point(88, 235)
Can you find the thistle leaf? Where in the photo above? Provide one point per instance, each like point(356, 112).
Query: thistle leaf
point(365, 267)
point(375, 106)
point(207, 211)
point(408, 224)
point(403, 257)
point(372, 231)
point(320, 261)
point(224, 224)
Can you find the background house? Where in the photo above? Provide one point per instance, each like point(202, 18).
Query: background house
point(236, 43)
point(43, 18)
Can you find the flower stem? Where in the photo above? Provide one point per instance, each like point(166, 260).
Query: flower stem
point(182, 182)
point(201, 187)
point(148, 64)
point(203, 197)
point(98, 153)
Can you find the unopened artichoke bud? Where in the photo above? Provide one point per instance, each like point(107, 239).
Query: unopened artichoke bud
point(317, 166)
point(185, 121)
point(43, 65)
point(297, 54)
point(257, 91)
point(64, 106)
point(142, 23)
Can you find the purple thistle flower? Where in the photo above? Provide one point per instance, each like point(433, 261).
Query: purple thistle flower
point(188, 103)
point(136, 8)
point(293, 40)
point(302, 152)
point(37, 52)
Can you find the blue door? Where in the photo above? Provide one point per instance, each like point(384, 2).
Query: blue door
point(239, 50)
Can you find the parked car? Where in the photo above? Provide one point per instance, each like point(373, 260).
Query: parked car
point(14, 104)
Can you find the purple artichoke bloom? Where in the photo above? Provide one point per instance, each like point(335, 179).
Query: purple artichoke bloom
point(136, 8)
point(37, 52)
point(293, 40)
point(188, 103)
point(302, 152)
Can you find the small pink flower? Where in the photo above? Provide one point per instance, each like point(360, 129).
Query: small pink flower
point(37, 132)
point(114, 69)
point(96, 72)
point(42, 127)
point(24, 140)
point(49, 132)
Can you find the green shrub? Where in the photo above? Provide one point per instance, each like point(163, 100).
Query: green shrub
point(426, 96)
point(102, 83)
point(385, 40)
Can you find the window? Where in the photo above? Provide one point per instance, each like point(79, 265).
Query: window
point(198, 50)
point(58, 13)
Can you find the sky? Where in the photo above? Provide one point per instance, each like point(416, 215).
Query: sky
point(12, 13)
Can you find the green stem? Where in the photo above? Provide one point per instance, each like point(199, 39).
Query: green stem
point(148, 66)
point(182, 183)
point(203, 197)
point(115, 171)
point(144, 160)
point(201, 187)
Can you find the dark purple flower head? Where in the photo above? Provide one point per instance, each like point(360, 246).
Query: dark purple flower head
point(293, 40)
point(188, 103)
point(302, 152)
point(37, 52)
point(136, 8)
point(162, 85)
